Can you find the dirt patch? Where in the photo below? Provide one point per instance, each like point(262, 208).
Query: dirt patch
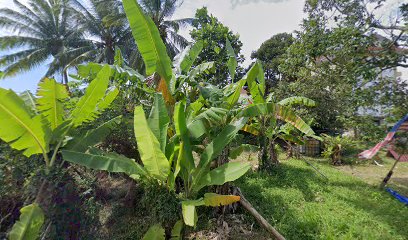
point(233, 226)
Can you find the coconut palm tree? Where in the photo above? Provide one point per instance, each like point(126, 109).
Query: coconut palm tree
point(106, 28)
point(161, 11)
point(39, 30)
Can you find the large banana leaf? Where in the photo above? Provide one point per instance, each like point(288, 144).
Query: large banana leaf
point(92, 137)
point(213, 95)
point(148, 41)
point(188, 56)
point(86, 108)
point(226, 173)
point(107, 100)
point(17, 126)
point(159, 120)
point(261, 79)
point(234, 97)
point(298, 101)
point(198, 128)
point(254, 87)
point(236, 152)
point(216, 200)
point(155, 232)
point(179, 150)
point(29, 100)
point(232, 60)
point(216, 146)
point(176, 232)
point(280, 112)
point(29, 225)
point(152, 156)
point(183, 133)
point(110, 162)
point(291, 138)
point(189, 211)
point(51, 96)
point(204, 121)
point(90, 70)
point(206, 67)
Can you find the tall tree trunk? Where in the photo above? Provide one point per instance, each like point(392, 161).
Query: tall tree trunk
point(65, 76)
point(65, 79)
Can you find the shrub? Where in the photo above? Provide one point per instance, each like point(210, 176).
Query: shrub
point(161, 204)
point(335, 147)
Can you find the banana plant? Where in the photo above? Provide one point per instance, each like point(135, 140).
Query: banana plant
point(270, 127)
point(173, 79)
point(166, 145)
point(264, 114)
point(42, 124)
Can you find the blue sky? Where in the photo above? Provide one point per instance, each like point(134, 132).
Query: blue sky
point(254, 20)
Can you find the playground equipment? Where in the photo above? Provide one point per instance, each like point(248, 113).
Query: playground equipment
point(397, 143)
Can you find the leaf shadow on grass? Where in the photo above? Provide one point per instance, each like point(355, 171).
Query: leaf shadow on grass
point(258, 188)
point(379, 204)
point(281, 195)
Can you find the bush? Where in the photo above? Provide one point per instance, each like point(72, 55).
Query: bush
point(336, 148)
point(18, 176)
point(162, 204)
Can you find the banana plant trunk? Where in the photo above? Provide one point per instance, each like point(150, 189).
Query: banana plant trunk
point(273, 155)
point(268, 157)
point(263, 152)
point(226, 188)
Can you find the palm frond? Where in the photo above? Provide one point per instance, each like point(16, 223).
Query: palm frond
point(27, 62)
point(13, 57)
point(9, 42)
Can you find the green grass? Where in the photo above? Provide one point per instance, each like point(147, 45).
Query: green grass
point(303, 205)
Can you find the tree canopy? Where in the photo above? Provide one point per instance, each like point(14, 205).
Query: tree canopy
point(271, 56)
point(214, 34)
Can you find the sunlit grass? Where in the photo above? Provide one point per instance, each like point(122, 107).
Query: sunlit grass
point(303, 205)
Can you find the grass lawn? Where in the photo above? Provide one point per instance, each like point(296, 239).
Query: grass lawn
point(303, 205)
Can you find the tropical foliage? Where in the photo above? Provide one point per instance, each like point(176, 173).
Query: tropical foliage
point(153, 125)
point(42, 125)
point(335, 147)
point(220, 45)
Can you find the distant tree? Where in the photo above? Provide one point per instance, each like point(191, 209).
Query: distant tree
point(209, 29)
point(270, 54)
point(337, 59)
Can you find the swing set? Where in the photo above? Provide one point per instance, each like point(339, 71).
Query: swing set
point(397, 143)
